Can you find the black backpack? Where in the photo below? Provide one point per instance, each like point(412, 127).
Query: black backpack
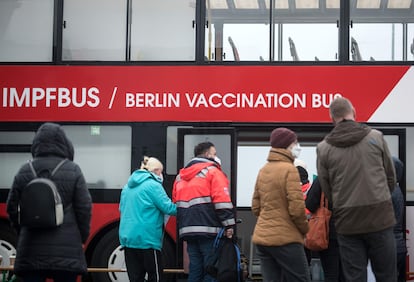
point(226, 265)
point(40, 204)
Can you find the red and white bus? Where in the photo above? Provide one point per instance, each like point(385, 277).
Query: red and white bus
point(114, 120)
point(132, 78)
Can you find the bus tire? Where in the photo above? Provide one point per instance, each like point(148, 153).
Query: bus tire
point(109, 254)
point(8, 242)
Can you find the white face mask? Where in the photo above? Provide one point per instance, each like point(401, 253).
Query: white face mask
point(158, 175)
point(217, 160)
point(296, 150)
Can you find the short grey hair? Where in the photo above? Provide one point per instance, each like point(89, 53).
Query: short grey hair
point(340, 107)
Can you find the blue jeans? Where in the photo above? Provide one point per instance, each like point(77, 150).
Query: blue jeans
point(378, 247)
point(200, 252)
point(284, 263)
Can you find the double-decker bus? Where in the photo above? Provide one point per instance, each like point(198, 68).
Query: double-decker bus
point(140, 78)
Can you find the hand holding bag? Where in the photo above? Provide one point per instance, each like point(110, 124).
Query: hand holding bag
point(225, 265)
point(317, 238)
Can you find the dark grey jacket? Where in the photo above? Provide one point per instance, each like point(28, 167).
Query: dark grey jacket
point(58, 248)
point(399, 207)
point(356, 173)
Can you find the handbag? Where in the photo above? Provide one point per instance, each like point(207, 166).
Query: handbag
point(317, 238)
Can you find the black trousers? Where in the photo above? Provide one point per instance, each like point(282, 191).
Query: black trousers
point(378, 247)
point(331, 262)
point(142, 262)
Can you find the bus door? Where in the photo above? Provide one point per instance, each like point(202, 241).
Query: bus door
point(224, 141)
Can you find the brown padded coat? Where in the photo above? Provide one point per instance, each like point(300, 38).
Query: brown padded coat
point(278, 202)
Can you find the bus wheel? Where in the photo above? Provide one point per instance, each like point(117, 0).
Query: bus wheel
point(108, 254)
point(8, 241)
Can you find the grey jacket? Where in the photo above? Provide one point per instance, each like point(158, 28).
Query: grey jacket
point(356, 172)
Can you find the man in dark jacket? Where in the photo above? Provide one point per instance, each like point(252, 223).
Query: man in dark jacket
point(201, 192)
point(56, 252)
point(356, 173)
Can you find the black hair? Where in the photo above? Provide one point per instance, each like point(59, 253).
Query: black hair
point(202, 148)
point(304, 177)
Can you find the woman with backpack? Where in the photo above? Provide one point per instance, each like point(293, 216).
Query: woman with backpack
point(54, 252)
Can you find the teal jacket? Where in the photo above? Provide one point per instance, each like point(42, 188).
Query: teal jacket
point(143, 205)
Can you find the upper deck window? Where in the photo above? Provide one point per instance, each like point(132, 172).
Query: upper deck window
point(206, 31)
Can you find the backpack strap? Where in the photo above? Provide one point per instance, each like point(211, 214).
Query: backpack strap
point(53, 171)
point(58, 166)
point(32, 168)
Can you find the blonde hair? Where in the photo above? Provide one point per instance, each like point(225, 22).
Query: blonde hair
point(151, 164)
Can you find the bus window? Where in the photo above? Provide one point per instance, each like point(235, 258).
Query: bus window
point(377, 29)
point(16, 137)
point(410, 42)
point(311, 40)
point(162, 30)
point(25, 38)
point(239, 32)
point(10, 164)
point(89, 35)
point(250, 40)
point(378, 42)
point(313, 24)
point(103, 152)
point(250, 159)
point(222, 142)
point(14, 151)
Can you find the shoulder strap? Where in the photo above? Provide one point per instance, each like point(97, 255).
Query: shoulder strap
point(58, 166)
point(54, 170)
point(324, 201)
point(32, 168)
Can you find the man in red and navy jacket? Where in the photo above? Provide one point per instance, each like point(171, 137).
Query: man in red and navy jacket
point(201, 192)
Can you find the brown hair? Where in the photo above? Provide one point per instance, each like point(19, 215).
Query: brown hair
point(340, 107)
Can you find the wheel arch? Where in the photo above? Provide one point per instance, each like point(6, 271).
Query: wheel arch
point(96, 238)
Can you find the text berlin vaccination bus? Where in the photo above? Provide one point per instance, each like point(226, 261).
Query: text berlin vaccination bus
point(115, 115)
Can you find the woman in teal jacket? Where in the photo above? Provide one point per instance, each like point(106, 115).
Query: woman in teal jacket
point(143, 205)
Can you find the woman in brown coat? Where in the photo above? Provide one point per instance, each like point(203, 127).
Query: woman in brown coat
point(279, 206)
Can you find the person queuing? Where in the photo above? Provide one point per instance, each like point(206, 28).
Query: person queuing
point(201, 192)
point(357, 175)
point(143, 205)
point(55, 253)
point(397, 197)
point(280, 209)
point(330, 258)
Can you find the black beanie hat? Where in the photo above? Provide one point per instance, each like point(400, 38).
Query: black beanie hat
point(282, 137)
